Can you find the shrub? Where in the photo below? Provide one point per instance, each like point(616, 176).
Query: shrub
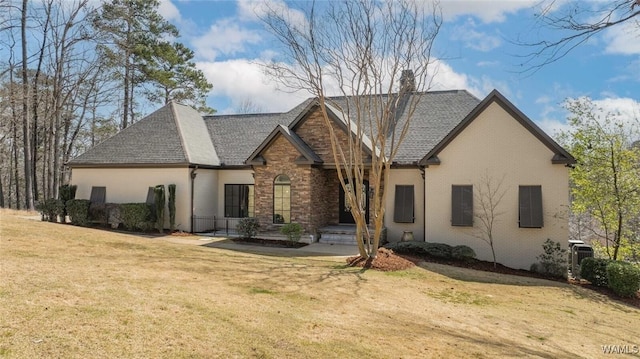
point(136, 216)
point(248, 227)
point(463, 253)
point(172, 207)
point(595, 270)
point(624, 278)
point(553, 260)
point(160, 202)
point(437, 250)
point(293, 231)
point(98, 212)
point(66, 192)
point(78, 210)
point(50, 209)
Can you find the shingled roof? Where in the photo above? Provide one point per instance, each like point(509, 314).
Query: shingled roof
point(173, 135)
point(177, 135)
point(436, 114)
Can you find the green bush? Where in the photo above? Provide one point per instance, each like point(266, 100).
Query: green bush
point(78, 210)
point(98, 212)
point(50, 209)
point(160, 202)
point(553, 260)
point(624, 278)
point(419, 248)
point(136, 216)
point(595, 270)
point(293, 231)
point(248, 227)
point(463, 253)
point(66, 192)
point(172, 207)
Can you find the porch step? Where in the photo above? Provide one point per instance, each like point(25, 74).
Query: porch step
point(338, 238)
point(345, 235)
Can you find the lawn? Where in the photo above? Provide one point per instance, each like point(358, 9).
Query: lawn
point(67, 291)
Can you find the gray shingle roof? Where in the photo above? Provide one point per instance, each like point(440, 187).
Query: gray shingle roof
point(174, 134)
point(177, 134)
point(235, 137)
point(437, 113)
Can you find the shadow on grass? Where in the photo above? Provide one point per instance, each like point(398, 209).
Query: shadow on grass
point(306, 251)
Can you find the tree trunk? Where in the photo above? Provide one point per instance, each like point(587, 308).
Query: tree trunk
point(26, 126)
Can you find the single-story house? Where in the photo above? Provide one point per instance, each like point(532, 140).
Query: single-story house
point(278, 168)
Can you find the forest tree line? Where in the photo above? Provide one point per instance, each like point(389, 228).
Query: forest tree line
point(74, 72)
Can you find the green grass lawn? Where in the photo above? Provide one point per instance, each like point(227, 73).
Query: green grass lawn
point(72, 292)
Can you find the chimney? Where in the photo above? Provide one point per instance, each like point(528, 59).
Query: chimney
point(407, 81)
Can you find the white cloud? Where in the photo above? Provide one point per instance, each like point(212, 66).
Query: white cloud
point(250, 10)
point(623, 39)
point(169, 11)
point(486, 11)
point(224, 37)
point(473, 39)
point(242, 79)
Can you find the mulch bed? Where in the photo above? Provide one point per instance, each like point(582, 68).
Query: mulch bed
point(269, 242)
point(387, 260)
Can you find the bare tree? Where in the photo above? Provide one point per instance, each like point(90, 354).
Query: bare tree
point(575, 23)
point(360, 50)
point(248, 106)
point(488, 196)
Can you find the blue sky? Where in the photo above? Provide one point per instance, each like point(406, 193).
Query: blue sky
point(476, 51)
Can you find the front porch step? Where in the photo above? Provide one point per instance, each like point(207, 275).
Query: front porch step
point(345, 235)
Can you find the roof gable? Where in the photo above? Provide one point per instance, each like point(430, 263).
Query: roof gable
point(561, 156)
point(307, 154)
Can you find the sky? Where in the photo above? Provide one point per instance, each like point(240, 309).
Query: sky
point(479, 48)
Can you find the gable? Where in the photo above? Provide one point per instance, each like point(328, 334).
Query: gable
point(279, 134)
point(514, 119)
point(312, 129)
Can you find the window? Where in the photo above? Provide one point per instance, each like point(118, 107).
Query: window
point(282, 199)
point(238, 200)
point(462, 206)
point(530, 200)
point(403, 211)
point(98, 195)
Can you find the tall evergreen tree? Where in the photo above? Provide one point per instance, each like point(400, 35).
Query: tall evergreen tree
point(172, 74)
point(131, 29)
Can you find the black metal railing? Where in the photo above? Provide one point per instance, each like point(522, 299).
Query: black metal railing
point(215, 225)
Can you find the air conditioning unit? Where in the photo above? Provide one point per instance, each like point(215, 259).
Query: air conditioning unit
point(578, 253)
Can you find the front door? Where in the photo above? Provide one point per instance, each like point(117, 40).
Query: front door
point(345, 216)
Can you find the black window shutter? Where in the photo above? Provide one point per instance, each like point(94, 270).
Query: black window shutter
point(461, 205)
point(98, 195)
point(530, 198)
point(403, 211)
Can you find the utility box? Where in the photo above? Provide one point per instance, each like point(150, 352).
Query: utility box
point(578, 253)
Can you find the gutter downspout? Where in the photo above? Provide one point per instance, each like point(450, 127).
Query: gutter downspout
point(193, 180)
point(424, 200)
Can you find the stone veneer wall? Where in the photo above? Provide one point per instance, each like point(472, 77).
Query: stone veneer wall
point(314, 191)
point(280, 157)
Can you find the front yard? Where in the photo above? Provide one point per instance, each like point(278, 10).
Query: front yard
point(67, 291)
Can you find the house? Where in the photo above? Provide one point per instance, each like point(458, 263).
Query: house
point(279, 168)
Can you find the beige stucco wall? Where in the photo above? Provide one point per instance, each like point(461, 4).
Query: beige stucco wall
point(130, 185)
point(231, 177)
point(496, 144)
point(205, 199)
point(405, 177)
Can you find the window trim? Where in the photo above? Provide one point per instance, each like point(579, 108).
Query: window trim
point(401, 212)
point(459, 216)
